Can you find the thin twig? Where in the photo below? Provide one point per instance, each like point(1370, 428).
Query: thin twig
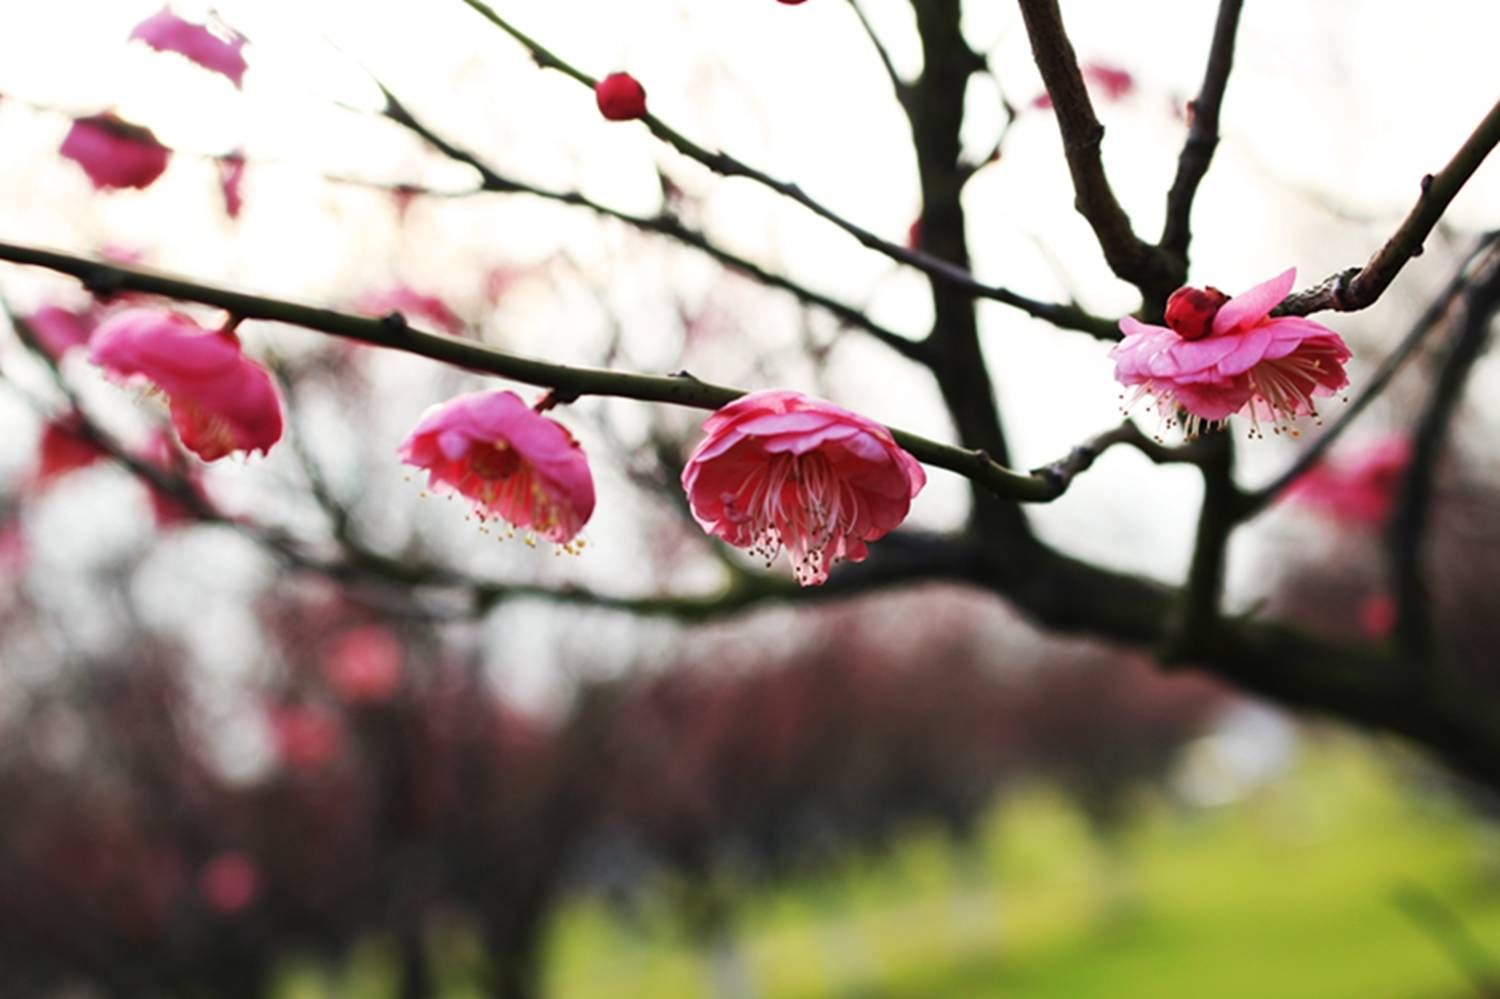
point(720, 162)
point(1359, 287)
point(661, 224)
point(1203, 133)
point(898, 85)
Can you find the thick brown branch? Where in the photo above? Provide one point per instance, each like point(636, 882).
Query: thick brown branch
point(1203, 134)
point(1359, 287)
point(1128, 256)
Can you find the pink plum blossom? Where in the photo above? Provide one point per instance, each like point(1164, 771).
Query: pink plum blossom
point(779, 470)
point(115, 153)
point(412, 304)
point(58, 330)
point(1110, 82)
point(229, 883)
point(1360, 488)
point(63, 448)
point(1269, 368)
point(306, 737)
point(219, 51)
point(513, 462)
point(220, 400)
point(364, 665)
point(231, 176)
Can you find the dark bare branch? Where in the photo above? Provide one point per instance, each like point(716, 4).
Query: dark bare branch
point(1203, 133)
point(1360, 287)
point(1131, 259)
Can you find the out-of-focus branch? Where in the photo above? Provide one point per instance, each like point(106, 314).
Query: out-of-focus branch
point(1131, 258)
point(1359, 287)
point(663, 224)
point(1203, 133)
point(898, 85)
point(720, 162)
point(1199, 610)
point(568, 382)
point(1486, 249)
point(1408, 529)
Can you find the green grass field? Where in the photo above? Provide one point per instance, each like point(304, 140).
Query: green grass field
point(1289, 893)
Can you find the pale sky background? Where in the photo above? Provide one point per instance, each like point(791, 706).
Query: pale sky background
point(1337, 102)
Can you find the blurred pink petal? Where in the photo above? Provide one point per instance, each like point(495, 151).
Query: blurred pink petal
point(1359, 488)
point(306, 737)
point(115, 153)
point(364, 665)
point(780, 470)
point(231, 175)
point(63, 448)
point(229, 883)
point(219, 51)
point(220, 400)
point(513, 462)
point(411, 304)
point(58, 330)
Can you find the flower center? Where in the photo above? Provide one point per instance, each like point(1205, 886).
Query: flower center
point(801, 504)
point(494, 461)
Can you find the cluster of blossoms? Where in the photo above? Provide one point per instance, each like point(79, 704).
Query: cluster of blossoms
point(776, 470)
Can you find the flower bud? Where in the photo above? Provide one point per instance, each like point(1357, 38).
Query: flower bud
point(1191, 311)
point(620, 97)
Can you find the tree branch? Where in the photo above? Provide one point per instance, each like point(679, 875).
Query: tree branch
point(1408, 528)
point(1065, 316)
point(663, 224)
point(1203, 133)
point(1256, 501)
point(571, 382)
point(1359, 287)
point(1130, 258)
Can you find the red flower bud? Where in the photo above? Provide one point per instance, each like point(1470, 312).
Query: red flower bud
point(620, 97)
point(1191, 311)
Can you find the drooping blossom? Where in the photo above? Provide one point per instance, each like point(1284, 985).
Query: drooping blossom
point(779, 470)
point(513, 462)
point(1110, 82)
point(1218, 356)
point(1358, 488)
point(215, 49)
point(220, 400)
point(115, 153)
point(229, 883)
point(306, 737)
point(64, 447)
point(231, 176)
point(620, 97)
point(58, 330)
point(364, 664)
point(412, 304)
